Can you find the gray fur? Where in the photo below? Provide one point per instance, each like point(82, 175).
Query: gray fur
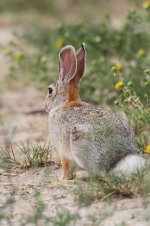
point(93, 137)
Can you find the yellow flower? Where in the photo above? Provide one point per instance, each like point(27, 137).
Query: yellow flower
point(118, 85)
point(18, 56)
point(119, 67)
point(59, 43)
point(147, 149)
point(141, 52)
point(146, 5)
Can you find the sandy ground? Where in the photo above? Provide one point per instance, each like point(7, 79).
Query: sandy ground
point(19, 125)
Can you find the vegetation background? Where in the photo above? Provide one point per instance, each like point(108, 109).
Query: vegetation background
point(117, 37)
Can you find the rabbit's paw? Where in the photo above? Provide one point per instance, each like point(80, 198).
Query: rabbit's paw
point(67, 180)
point(68, 177)
point(82, 175)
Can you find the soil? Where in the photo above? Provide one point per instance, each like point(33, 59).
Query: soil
point(22, 121)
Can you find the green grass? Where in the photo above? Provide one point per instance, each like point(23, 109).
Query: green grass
point(32, 156)
point(46, 6)
point(111, 187)
point(105, 189)
point(62, 216)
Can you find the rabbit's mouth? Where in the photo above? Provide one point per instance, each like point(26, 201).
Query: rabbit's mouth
point(47, 109)
point(48, 103)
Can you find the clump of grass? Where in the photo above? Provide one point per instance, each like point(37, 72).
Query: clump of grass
point(105, 213)
point(7, 158)
point(110, 187)
point(62, 216)
point(121, 187)
point(135, 108)
point(1, 102)
point(34, 155)
point(85, 193)
point(5, 216)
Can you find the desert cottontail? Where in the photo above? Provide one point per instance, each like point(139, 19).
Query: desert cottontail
point(90, 137)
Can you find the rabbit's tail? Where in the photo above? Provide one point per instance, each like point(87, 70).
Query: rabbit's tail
point(129, 165)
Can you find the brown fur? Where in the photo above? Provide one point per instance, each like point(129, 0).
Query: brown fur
point(72, 104)
point(72, 95)
point(66, 165)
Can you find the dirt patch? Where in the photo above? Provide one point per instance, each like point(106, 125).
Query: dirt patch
point(59, 194)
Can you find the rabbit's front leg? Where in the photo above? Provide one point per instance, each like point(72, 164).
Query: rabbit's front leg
point(68, 168)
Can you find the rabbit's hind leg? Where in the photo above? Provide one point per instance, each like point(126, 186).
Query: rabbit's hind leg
point(68, 168)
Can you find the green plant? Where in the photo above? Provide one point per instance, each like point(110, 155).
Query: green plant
point(5, 208)
point(106, 212)
point(62, 217)
point(38, 212)
point(34, 155)
point(136, 110)
point(46, 6)
point(109, 187)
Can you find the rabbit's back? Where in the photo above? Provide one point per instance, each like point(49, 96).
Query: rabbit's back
point(98, 139)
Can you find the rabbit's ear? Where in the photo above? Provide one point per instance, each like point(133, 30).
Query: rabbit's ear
point(67, 64)
point(81, 56)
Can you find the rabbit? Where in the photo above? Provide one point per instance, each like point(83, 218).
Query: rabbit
point(87, 137)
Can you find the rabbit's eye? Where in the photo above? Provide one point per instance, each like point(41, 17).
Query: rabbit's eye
point(50, 90)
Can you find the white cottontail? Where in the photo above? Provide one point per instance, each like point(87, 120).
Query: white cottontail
point(94, 139)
